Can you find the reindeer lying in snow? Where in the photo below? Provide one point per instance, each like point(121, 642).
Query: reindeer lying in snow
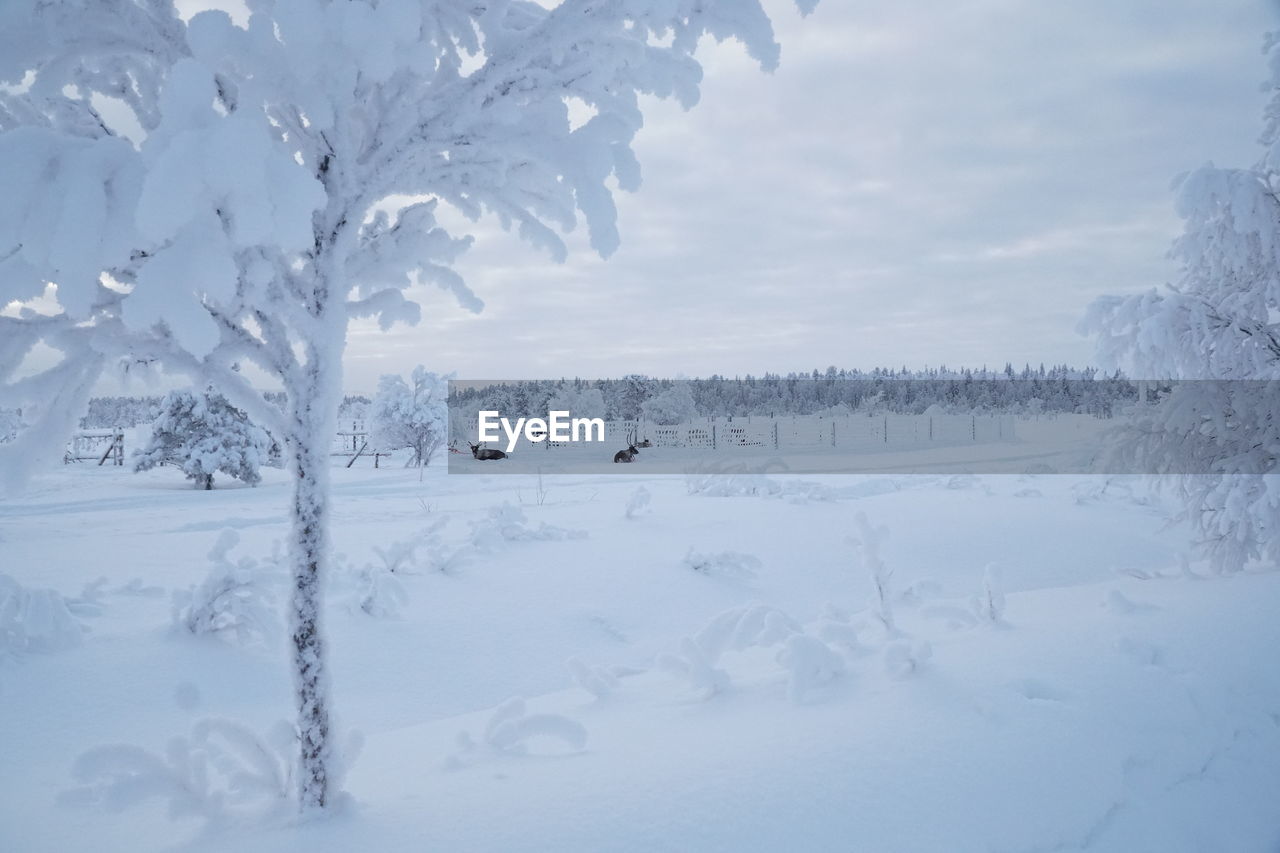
point(483, 453)
point(630, 453)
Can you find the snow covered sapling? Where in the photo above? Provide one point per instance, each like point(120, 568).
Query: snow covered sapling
point(1219, 321)
point(989, 605)
point(411, 415)
point(204, 435)
point(638, 503)
point(868, 540)
point(287, 180)
point(233, 601)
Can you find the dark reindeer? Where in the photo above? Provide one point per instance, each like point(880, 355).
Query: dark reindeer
point(630, 453)
point(484, 453)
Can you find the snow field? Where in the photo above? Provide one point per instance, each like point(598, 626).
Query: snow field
point(706, 674)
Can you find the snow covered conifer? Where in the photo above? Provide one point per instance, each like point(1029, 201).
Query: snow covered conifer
point(672, 405)
point(411, 415)
point(204, 435)
point(288, 178)
point(1219, 321)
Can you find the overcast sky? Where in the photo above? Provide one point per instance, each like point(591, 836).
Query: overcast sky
point(913, 186)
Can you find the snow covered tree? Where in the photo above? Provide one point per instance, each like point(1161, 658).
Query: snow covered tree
point(579, 402)
point(1220, 321)
point(203, 434)
point(414, 416)
point(287, 178)
point(672, 405)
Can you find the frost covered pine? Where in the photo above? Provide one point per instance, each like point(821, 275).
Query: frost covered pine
point(411, 414)
point(203, 435)
point(1219, 321)
point(286, 179)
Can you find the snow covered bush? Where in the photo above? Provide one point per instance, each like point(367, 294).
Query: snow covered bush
point(222, 770)
point(377, 592)
point(727, 564)
point(287, 181)
point(903, 659)
point(1219, 321)
point(235, 600)
point(413, 414)
point(511, 731)
point(599, 681)
point(508, 523)
point(694, 665)
point(753, 626)
point(732, 479)
point(35, 620)
point(811, 664)
point(638, 503)
point(203, 434)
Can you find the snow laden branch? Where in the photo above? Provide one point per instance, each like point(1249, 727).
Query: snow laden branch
point(204, 195)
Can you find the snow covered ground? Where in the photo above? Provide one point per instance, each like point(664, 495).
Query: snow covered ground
point(731, 686)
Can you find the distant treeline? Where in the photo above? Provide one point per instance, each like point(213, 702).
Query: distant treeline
point(1059, 389)
point(1055, 389)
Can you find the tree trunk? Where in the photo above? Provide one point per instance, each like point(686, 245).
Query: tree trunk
point(313, 411)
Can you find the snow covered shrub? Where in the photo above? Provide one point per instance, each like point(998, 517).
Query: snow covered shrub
point(379, 593)
point(694, 665)
point(599, 681)
point(638, 503)
point(727, 564)
point(989, 606)
point(411, 415)
point(811, 664)
point(35, 620)
point(511, 729)
point(203, 435)
point(903, 659)
point(836, 628)
point(222, 770)
point(732, 479)
point(235, 599)
point(868, 541)
point(755, 625)
point(508, 523)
